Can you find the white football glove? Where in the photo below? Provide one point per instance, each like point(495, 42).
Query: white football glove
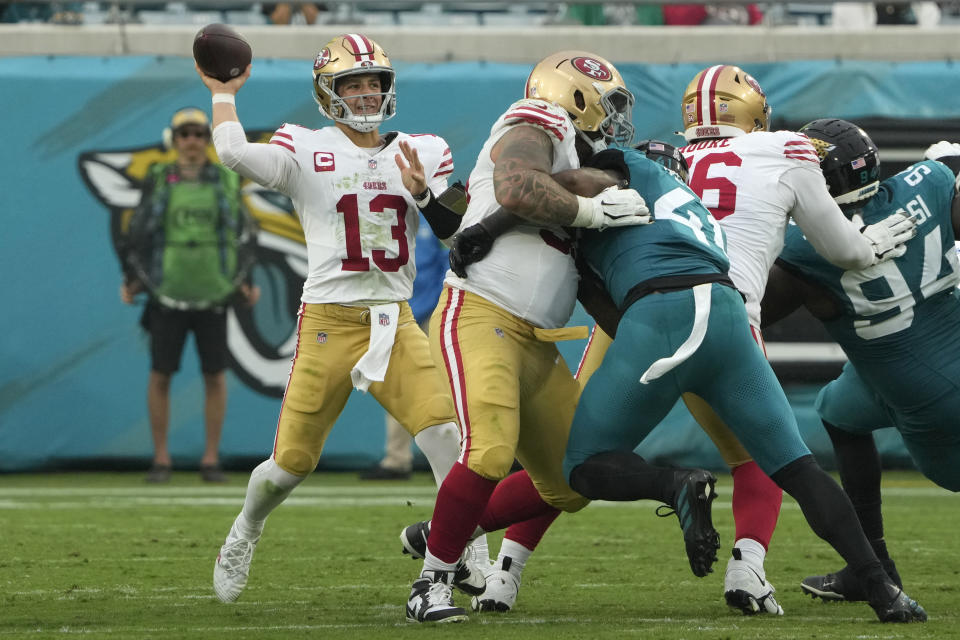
point(612, 207)
point(941, 149)
point(887, 236)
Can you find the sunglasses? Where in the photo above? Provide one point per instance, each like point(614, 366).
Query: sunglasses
point(195, 133)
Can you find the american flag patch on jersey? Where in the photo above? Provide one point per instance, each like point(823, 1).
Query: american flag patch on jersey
point(384, 320)
point(859, 163)
point(656, 146)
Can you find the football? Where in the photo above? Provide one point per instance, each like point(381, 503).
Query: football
point(221, 52)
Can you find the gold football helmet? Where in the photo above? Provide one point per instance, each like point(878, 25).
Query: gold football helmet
point(345, 55)
point(592, 92)
point(723, 101)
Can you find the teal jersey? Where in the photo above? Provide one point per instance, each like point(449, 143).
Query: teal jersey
point(907, 307)
point(685, 239)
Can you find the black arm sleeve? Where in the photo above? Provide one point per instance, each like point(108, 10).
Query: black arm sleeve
point(443, 220)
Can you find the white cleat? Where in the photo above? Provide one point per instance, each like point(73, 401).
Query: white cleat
point(746, 588)
point(431, 599)
point(500, 594)
point(232, 567)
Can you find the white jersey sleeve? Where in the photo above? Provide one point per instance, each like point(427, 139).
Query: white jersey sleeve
point(832, 234)
point(265, 164)
point(530, 271)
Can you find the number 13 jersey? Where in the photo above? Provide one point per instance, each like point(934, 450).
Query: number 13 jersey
point(359, 221)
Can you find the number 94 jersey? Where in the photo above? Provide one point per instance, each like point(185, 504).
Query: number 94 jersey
point(359, 221)
point(902, 309)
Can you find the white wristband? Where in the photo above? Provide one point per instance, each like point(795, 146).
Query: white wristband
point(226, 98)
point(589, 213)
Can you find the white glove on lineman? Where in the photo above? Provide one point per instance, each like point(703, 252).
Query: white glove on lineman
point(941, 149)
point(888, 235)
point(612, 207)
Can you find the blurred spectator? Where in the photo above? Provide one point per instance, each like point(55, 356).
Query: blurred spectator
point(56, 12)
point(286, 12)
point(866, 15)
point(711, 14)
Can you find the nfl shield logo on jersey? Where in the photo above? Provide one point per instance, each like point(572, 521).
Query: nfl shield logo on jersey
point(384, 320)
point(321, 337)
point(371, 164)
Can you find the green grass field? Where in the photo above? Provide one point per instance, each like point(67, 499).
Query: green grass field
point(106, 556)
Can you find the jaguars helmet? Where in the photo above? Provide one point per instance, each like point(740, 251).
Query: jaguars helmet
point(848, 158)
point(723, 101)
point(346, 55)
point(591, 90)
point(665, 154)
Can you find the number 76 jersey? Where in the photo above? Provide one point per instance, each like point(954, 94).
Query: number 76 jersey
point(359, 221)
point(902, 309)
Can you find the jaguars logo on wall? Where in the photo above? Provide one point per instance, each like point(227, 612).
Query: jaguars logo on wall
point(261, 340)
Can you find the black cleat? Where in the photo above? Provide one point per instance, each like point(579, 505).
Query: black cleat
point(414, 539)
point(432, 601)
point(902, 608)
point(843, 586)
point(694, 495)
point(468, 577)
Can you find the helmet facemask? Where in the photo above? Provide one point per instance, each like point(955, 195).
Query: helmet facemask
point(337, 109)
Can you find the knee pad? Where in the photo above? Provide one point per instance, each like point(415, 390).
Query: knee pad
point(493, 463)
point(295, 461)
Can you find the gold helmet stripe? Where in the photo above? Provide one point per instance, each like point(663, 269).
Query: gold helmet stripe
point(707, 88)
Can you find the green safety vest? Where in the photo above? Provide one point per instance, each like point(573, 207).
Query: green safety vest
point(187, 235)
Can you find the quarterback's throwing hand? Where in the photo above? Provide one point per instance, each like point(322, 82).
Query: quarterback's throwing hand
point(612, 207)
point(888, 236)
point(469, 246)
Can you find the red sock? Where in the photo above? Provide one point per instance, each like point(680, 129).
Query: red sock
point(461, 500)
point(756, 503)
point(515, 500)
point(530, 532)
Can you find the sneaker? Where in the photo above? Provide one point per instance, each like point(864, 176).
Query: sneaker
point(378, 472)
point(500, 594)
point(158, 474)
point(694, 495)
point(431, 599)
point(745, 587)
point(901, 608)
point(232, 567)
point(844, 585)
point(212, 473)
point(468, 576)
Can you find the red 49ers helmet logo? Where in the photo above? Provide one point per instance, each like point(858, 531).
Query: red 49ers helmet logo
point(592, 68)
point(322, 59)
point(753, 84)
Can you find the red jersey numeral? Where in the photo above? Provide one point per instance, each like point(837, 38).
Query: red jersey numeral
point(355, 260)
point(726, 190)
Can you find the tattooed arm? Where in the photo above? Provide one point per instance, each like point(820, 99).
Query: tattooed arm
point(522, 184)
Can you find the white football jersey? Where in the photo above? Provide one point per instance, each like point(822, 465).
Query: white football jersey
point(750, 184)
point(530, 271)
point(359, 221)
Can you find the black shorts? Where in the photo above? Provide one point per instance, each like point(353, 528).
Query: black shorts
point(168, 330)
